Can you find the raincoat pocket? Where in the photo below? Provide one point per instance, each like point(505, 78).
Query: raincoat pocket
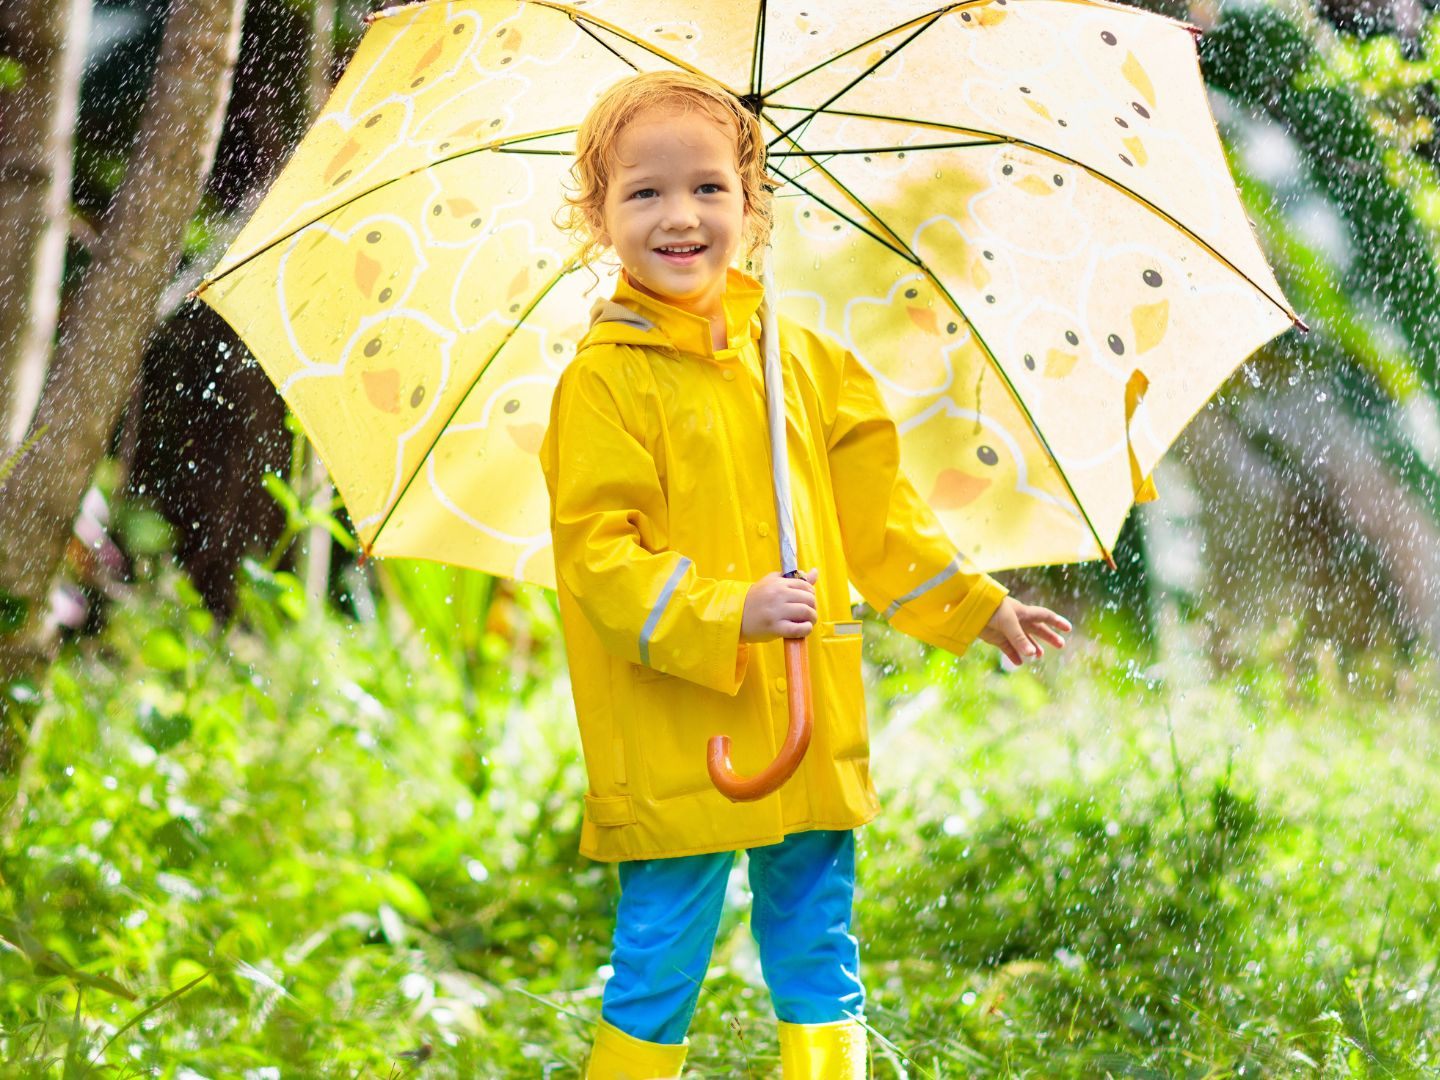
point(673, 721)
point(842, 711)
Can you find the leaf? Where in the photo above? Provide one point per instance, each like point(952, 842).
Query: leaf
point(283, 494)
point(24, 448)
point(145, 531)
point(185, 971)
point(48, 962)
point(178, 842)
point(141, 1016)
point(406, 896)
point(164, 650)
point(13, 610)
point(163, 731)
point(317, 515)
point(261, 580)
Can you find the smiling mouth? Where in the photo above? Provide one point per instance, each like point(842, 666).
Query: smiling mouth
point(680, 253)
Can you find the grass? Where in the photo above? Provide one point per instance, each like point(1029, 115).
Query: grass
point(313, 845)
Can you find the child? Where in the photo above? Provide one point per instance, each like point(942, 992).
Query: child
point(664, 527)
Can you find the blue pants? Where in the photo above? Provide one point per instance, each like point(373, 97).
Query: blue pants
point(670, 910)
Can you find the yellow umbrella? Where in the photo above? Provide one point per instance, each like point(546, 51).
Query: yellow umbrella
point(1016, 213)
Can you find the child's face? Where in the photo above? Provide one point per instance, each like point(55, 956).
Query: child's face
point(673, 188)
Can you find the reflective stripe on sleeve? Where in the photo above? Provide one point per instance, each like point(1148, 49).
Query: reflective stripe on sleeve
point(659, 608)
point(920, 590)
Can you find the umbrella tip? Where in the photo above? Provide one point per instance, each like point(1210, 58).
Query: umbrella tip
point(1110, 561)
point(1301, 326)
point(386, 12)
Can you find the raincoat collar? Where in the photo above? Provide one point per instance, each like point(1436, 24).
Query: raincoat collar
point(633, 316)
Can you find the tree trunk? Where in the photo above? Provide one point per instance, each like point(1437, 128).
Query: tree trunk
point(1340, 458)
point(104, 330)
point(37, 134)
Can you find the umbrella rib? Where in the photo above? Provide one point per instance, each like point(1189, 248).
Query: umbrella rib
point(910, 256)
point(1067, 159)
point(605, 45)
point(498, 145)
point(841, 152)
point(932, 20)
point(580, 18)
point(898, 246)
point(565, 268)
point(757, 70)
point(846, 217)
point(899, 28)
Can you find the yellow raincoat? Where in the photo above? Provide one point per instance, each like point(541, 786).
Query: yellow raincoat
point(663, 516)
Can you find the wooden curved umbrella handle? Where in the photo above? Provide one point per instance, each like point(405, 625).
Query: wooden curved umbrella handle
point(739, 788)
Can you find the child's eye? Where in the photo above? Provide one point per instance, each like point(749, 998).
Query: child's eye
point(643, 193)
point(710, 189)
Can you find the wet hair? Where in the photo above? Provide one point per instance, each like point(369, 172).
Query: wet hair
point(583, 215)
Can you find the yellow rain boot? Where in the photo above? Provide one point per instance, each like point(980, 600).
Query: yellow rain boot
point(618, 1056)
point(823, 1051)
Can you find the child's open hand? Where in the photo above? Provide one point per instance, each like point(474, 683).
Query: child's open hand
point(777, 606)
point(1015, 626)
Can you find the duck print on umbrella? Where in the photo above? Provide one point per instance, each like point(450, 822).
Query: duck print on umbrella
point(924, 337)
point(388, 382)
point(987, 483)
point(365, 270)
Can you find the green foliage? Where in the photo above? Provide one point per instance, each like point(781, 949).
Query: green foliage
point(12, 74)
point(339, 847)
point(302, 811)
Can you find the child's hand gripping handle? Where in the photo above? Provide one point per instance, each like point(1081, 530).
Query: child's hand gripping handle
point(776, 607)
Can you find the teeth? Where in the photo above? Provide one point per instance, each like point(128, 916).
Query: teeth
point(682, 250)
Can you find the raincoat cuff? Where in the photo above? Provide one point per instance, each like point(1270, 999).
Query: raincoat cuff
point(731, 655)
point(970, 616)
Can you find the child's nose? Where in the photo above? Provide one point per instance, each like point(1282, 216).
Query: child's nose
point(680, 213)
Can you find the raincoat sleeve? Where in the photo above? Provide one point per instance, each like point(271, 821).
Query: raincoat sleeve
point(649, 605)
point(897, 552)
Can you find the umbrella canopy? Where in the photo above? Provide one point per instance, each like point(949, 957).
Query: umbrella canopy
point(1016, 213)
